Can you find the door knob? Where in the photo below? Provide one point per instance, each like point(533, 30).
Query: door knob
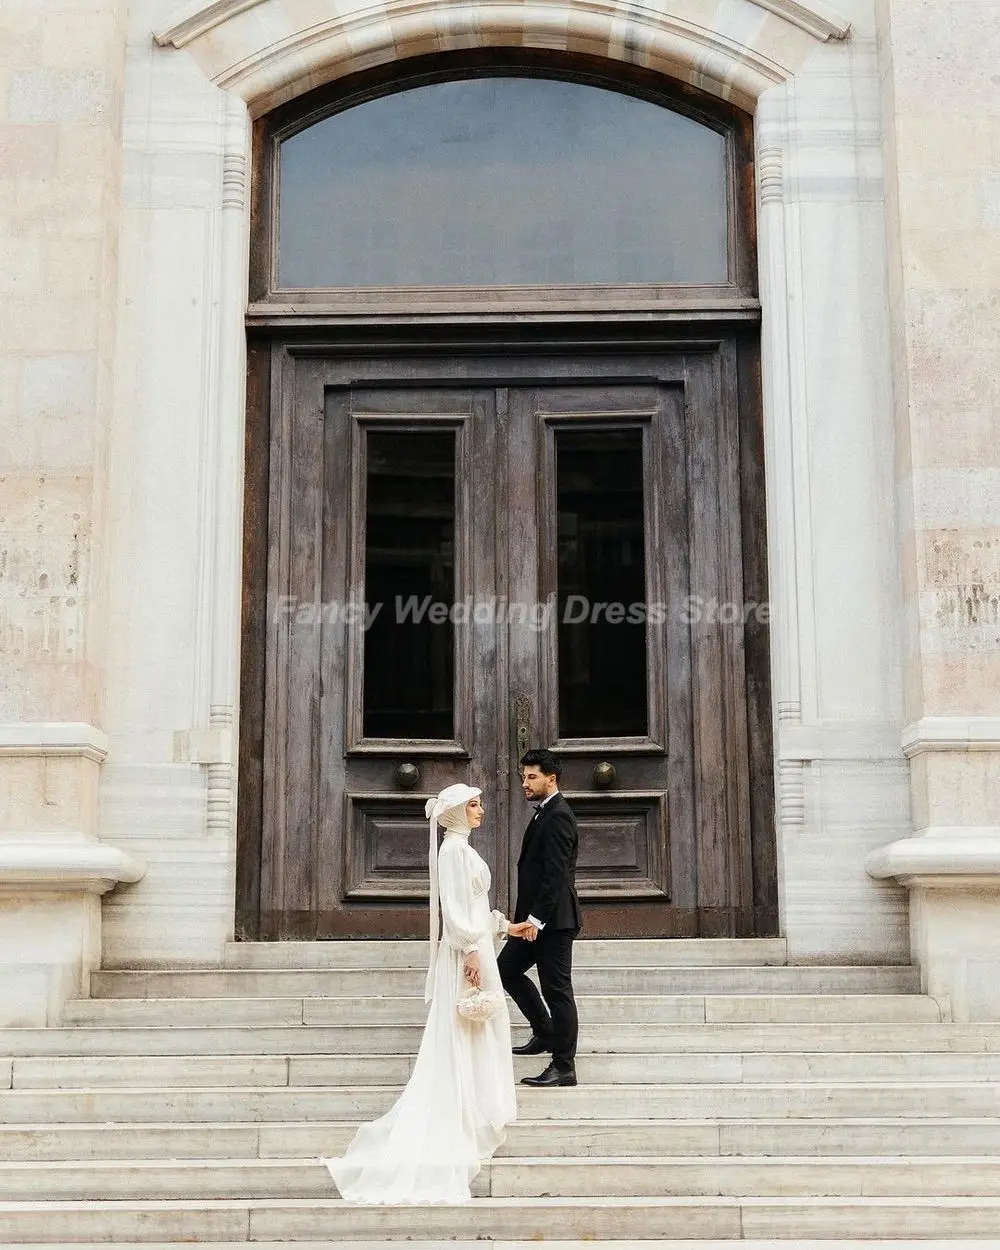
point(407, 776)
point(522, 724)
point(605, 775)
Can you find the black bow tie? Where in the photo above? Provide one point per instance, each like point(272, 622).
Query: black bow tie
point(538, 812)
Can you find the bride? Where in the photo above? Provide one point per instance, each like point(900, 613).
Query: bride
point(460, 1096)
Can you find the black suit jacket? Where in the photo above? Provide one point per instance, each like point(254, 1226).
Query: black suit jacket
point(546, 868)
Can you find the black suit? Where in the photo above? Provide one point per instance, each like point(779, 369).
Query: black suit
point(545, 890)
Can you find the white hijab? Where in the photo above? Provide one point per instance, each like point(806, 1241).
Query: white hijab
point(448, 810)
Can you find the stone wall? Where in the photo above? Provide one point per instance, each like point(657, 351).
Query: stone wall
point(941, 118)
point(60, 181)
point(942, 121)
point(61, 97)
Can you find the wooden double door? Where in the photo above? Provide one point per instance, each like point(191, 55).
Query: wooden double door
point(454, 557)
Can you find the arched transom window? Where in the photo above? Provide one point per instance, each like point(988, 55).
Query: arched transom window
point(512, 178)
point(504, 181)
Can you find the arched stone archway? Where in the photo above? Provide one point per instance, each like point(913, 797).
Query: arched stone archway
point(269, 51)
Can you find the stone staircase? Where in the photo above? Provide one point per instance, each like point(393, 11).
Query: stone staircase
point(726, 1097)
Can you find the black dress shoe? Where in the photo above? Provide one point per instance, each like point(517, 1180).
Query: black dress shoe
point(535, 1045)
point(552, 1076)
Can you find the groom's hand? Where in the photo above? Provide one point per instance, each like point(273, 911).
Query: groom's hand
point(470, 966)
point(523, 929)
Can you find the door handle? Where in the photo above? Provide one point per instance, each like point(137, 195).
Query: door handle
point(605, 775)
point(522, 724)
point(406, 775)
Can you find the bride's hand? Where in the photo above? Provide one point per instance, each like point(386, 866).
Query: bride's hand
point(470, 966)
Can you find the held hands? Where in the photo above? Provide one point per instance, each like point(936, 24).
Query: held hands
point(470, 967)
point(525, 929)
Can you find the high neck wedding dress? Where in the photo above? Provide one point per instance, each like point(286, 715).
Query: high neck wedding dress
point(460, 1096)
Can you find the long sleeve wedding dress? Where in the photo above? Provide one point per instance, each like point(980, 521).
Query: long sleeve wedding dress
point(460, 1096)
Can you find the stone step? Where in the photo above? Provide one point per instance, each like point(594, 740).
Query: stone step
point(610, 1069)
point(810, 1100)
point(639, 1138)
point(350, 982)
point(678, 1176)
point(389, 1039)
point(587, 953)
point(594, 1009)
point(710, 1243)
point(536, 1219)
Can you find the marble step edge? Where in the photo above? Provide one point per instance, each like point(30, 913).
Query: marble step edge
point(528, 1177)
point(814, 1162)
point(704, 1138)
point(912, 1037)
point(641, 1089)
point(587, 952)
point(236, 983)
point(309, 1041)
point(556, 1219)
point(498, 1204)
point(817, 1101)
point(568, 1125)
point(615, 1244)
point(636, 1093)
point(594, 1009)
point(418, 966)
point(618, 1068)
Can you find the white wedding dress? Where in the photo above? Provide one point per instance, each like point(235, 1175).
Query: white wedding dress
point(460, 1096)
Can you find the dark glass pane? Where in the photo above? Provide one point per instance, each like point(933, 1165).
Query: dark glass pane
point(409, 675)
point(503, 181)
point(602, 584)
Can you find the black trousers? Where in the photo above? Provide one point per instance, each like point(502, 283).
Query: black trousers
point(555, 1019)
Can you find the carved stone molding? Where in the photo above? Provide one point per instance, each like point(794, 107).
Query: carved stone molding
point(770, 175)
point(791, 794)
point(786, 434)
point(818, 19)
point(953, 876)
point(34, 738)
point(944, 856)
point(33, 863)
point(286, 48)
point(951, 733)
point(221, 463)
point(199, 17)
point(234, 180)
point(219, 813)
point(844, 740)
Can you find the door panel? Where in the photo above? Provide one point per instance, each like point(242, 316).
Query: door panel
point(472, 554)
point(602, 479)
point(417, 678)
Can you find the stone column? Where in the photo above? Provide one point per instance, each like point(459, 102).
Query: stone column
point(941, 114)
point(61, 69)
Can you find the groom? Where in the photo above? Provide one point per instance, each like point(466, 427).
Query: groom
point(547, 901)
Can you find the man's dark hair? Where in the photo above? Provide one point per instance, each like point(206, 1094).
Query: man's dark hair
point(545, 761)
